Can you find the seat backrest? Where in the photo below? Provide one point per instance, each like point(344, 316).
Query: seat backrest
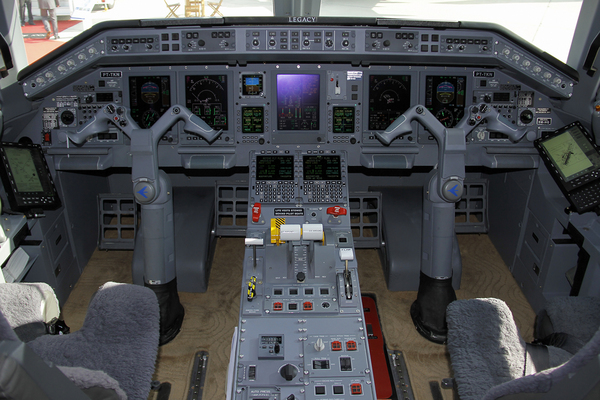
point(24, 375)
point(577, 379)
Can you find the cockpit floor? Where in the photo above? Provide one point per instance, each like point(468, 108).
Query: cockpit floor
point(212, 316)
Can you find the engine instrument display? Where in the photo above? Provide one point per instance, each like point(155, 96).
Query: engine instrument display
point(389, 97)
point(253, 120)
point(206, 96)
point(445, 98)
point(322, 168)
point(149, 98)
point(298, 102)
point(343, 119)
point(274, 168)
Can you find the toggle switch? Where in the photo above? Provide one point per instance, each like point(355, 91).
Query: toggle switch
point(336, 211)
point(256, 209)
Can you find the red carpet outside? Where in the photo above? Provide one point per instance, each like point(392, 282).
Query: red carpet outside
point(36, 44)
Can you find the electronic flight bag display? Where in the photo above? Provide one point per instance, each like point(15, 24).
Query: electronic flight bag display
point(573, 159)
point(26, 178)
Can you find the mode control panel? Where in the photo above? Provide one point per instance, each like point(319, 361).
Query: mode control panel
point(390, 41)
point(207, 40)
point(301, 40)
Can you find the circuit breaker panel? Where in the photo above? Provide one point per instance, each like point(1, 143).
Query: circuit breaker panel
point(302, 333)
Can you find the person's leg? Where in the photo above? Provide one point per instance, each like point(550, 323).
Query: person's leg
point(44, 14)
point(22, 12)
point(54, 21)
point(29, 12)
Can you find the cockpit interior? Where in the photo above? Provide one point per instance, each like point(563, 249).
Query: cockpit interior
point(297, 207)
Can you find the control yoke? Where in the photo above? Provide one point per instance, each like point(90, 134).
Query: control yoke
point(152, 190)
point(144, 142)
point(121, 118)
point(445, 188)
point(451, 142)
point(477, 114)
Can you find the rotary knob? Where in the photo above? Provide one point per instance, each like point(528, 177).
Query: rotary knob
point(526, 117)
point(288, 372)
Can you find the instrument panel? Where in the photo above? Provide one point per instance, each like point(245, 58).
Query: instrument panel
point(278, 87)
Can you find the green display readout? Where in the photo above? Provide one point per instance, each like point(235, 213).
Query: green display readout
point(343, 119)
point(322, 168)
point(274, 168)
point(253, 120)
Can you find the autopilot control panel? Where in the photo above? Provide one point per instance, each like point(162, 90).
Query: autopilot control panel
point(302, 333)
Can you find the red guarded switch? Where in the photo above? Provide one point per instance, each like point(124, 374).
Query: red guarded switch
point(336, 211)
point(256, 212)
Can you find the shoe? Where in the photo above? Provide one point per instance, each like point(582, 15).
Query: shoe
point(56, 37)
point(22, 23)
point(31, 23)
point(48, 34)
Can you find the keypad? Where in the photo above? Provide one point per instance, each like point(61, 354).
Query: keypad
point(275, 192)
point(587, 196)
point(323, 191)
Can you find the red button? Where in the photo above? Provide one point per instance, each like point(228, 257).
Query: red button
point(255, 212)
point(336, 211)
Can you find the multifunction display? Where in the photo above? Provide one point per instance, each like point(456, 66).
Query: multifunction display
point(445, 98)
point(389, 97)
point(343, 119)
point(206, 96)
point(149, 98)
point(253, 120)
point(274, 168)
point(298, 98)
point(322, 168)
